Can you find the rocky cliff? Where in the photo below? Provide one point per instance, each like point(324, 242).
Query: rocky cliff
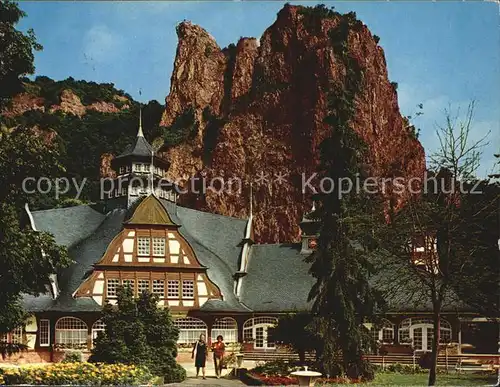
point(67, 100)
point(260, 108)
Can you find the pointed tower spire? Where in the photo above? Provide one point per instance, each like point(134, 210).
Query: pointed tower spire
point(251, 200)
point(140, 133)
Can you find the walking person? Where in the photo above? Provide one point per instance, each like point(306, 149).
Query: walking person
point(200, 354)
point(218, 347)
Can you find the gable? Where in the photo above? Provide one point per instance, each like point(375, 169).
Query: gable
point(150, 212)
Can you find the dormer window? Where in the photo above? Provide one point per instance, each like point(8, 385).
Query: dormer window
point(137, 167)
point(122, 170)
point(127, 169)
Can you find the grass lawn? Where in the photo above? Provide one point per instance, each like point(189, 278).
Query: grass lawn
point(451, 379)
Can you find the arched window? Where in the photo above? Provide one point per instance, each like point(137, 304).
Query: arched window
point(227, 327)
point(98, 326)
point(190, 329)
point(383, 332)
point(71, 332)
point(256, 330)
point(420, 332)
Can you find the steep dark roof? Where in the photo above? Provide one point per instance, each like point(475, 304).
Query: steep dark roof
point(278, 279)
point(84, 254)
point(68, 225)
point(216, 241)
point(140, 148)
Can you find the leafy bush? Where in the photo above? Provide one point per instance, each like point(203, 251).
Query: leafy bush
point(275, 368)
point(77, 374)
point(139, 332)
point(399, 368)
point(363, 370)
point(184, 127)
point(88, 92)
point(211, 133)
point(174, 374)
point(72, 357)
point(376, 38)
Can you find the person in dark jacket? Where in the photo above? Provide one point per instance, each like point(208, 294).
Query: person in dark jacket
point(200, 354)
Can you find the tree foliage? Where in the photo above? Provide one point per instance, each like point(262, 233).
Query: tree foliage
point(343, 296)
point(27, 257)
point(184, 128)
point(17, 51)
point(295, 330)
point(81, 141)
point(453, 224)
point(138, 332)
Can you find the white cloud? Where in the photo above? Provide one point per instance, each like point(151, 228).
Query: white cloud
point(101, 45)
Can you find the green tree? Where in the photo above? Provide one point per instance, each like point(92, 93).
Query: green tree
point(295, 330)
point(27, 257)
point(343, 296)
point(17, 51)
point(451, 219)
point(139, 332)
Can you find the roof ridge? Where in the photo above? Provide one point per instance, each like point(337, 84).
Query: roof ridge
point(213, 214)
point(276, 244)
point(65, 208)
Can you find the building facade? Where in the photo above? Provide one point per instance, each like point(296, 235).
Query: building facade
point(205, 267)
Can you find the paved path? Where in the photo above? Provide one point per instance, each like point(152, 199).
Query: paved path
point(211, 380)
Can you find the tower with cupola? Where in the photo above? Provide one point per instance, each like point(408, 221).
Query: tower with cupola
point(138, 172)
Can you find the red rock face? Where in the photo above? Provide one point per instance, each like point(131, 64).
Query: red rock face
point(105, 169)
point(24, 102)
point(69, 103)
point(272, 96)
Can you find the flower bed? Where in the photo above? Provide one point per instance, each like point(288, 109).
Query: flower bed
point(76, 373)
point(269, 380)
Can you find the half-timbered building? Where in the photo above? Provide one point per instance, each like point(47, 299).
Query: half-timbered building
point(204, 267)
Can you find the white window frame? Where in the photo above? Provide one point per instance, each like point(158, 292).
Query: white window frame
point(169, 288)
point(158, 244)
point(97, 326)
point(158, 282)
point(191, 290)
point(129, 283)
point(16, 335)
point(80, 339)
point(47, 343)
point(190, 329)
point(407, 328)
point(227, 327)
point(139, 287)
point(141, 250)
point(250, 329)
point(115, 282)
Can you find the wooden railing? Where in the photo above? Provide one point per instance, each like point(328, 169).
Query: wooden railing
point(451, 361)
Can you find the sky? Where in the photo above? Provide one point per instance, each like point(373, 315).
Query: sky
point(442, 54)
